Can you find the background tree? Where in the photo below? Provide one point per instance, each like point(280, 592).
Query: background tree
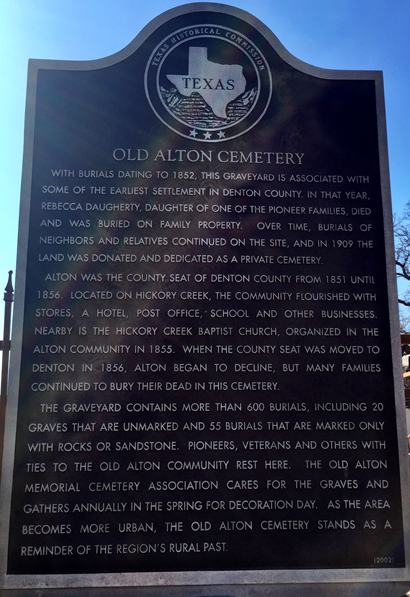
point(402, 256)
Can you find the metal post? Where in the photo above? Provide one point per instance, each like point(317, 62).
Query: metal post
point(5, 347)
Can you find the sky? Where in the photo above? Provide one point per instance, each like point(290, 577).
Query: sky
point(339, 34)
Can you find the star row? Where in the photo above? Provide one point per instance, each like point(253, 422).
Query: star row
point(207, 135)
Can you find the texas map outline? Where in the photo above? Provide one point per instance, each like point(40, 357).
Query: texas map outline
point(218, 84)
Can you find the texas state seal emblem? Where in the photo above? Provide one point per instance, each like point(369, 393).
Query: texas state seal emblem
point(208, 83)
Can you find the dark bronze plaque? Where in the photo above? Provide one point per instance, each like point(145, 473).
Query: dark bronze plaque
point(206, 375)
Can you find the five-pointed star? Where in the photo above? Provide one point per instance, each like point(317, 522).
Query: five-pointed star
point(207, 135)
point(221, 134)
point(193, 133)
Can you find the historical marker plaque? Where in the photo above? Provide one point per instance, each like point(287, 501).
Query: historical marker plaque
point(203, 385)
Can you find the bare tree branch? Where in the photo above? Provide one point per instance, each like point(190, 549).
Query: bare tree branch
point(402, 258)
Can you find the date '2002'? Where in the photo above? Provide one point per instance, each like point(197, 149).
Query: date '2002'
point(383, 560)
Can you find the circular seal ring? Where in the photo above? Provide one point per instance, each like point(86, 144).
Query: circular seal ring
point(208, 83)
